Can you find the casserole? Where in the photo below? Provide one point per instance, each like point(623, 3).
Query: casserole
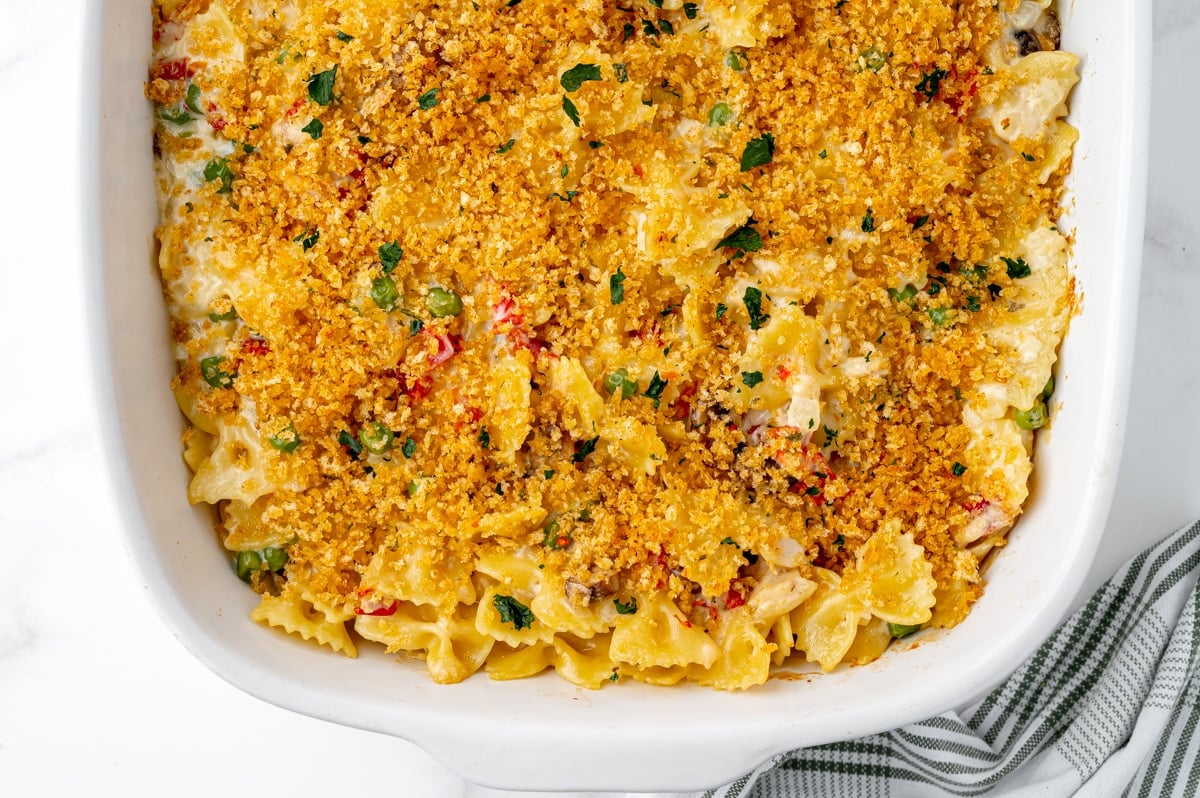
point(666, 739)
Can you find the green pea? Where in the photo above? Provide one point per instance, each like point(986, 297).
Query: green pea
point(1048, 391)
point(275, 558)
point(383, 291)
point(1033, 418)
point(210, 370)
point(247, 562)
point(376, 438)
point(441, 302)
point(287, 441)
point(903, 295)
point(900, 630)
point(719, 115)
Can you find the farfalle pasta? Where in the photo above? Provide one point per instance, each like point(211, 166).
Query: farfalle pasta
point(653, 340)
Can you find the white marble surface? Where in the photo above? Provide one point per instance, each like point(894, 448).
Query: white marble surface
point(97, 697)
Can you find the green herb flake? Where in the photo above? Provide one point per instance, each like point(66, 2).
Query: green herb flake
point(548, 474)
point(320, 86)
point(513, 611)
point(958, 469)
point(973, 304)
point(626, 609)
point(868, 221)
point(758, 152)
point(722, 309)
point(485, 438)
point(344, 37)
point(666, 27)
point(616, 287)
point(1017, 269)
point(570, 110)
point(308, 239)
point(744, 239)
point(584, 448)
point(938, 316)
point(648, 28)
point(931, 83)
point(752, 299)
point(505, 147)
point(353, 447)
point(229, 315)
point(823, 154)
point(751, 378)
point(409, 448)
point(1027, 156)
point(314, 128)
point(483, 98)
point(622, 72)
point(735, 61)
point(595, 145)
point(619, 382)
point(579, 74)
point(390, 255)
point(428, 100)
point(218, 169)
point(655, 390)
point(690, 9)
point(920, 222)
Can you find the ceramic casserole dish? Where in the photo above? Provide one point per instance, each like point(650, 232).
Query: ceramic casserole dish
point(678, 738)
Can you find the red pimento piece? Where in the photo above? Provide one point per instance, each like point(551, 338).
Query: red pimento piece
point(419, 389)
point(734, 599)
point(255, 346)
point(172, 70)
point(449, 345)
point(296, 106)
point(382, 611)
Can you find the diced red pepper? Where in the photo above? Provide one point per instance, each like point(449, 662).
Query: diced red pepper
point(256, 346)
point(734, 599)
point(383, 611)
point(449, 345)
point(172, 70)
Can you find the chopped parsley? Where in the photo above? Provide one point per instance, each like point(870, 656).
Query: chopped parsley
point(595, 145)
point(409, 448)
point(579, 74)
point(570, 110)
point(690, 9)
point(1027, 156)
point(314, 128)
point(823, 154)
point(931, 82)
point(973, 304)
point(958, 469)
point(648, 28)
point(616, 287)
point(868, 221)
point(505, 147)
point(390, 255)
point(656, 388)
point(753, 301)
point(584, 448)
point(622, 72)
point(751, 378)
point(1017, 269)
point(483, 98)
point(309, 238)
point(428, 100)
point(721, 309)
point(513, 611)
point(548, 473)
point(344, 37)
point(485, 438)
point(758, 152)
point(666, 27)
point(353, 447)
point(218, 169)
point(920, 222)
point(744, 239)
point(626, 609)
point(320, 86)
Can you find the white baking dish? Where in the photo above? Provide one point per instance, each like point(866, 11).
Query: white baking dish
point(543, 733)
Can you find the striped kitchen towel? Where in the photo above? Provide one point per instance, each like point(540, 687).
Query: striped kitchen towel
point(1106, 707)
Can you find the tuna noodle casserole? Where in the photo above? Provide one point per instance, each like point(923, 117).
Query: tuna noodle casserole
point(634, 339)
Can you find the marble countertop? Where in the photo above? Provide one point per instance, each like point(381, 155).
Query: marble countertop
point(97, 697)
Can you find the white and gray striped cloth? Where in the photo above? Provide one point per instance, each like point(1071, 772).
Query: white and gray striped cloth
point(1106, 707)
